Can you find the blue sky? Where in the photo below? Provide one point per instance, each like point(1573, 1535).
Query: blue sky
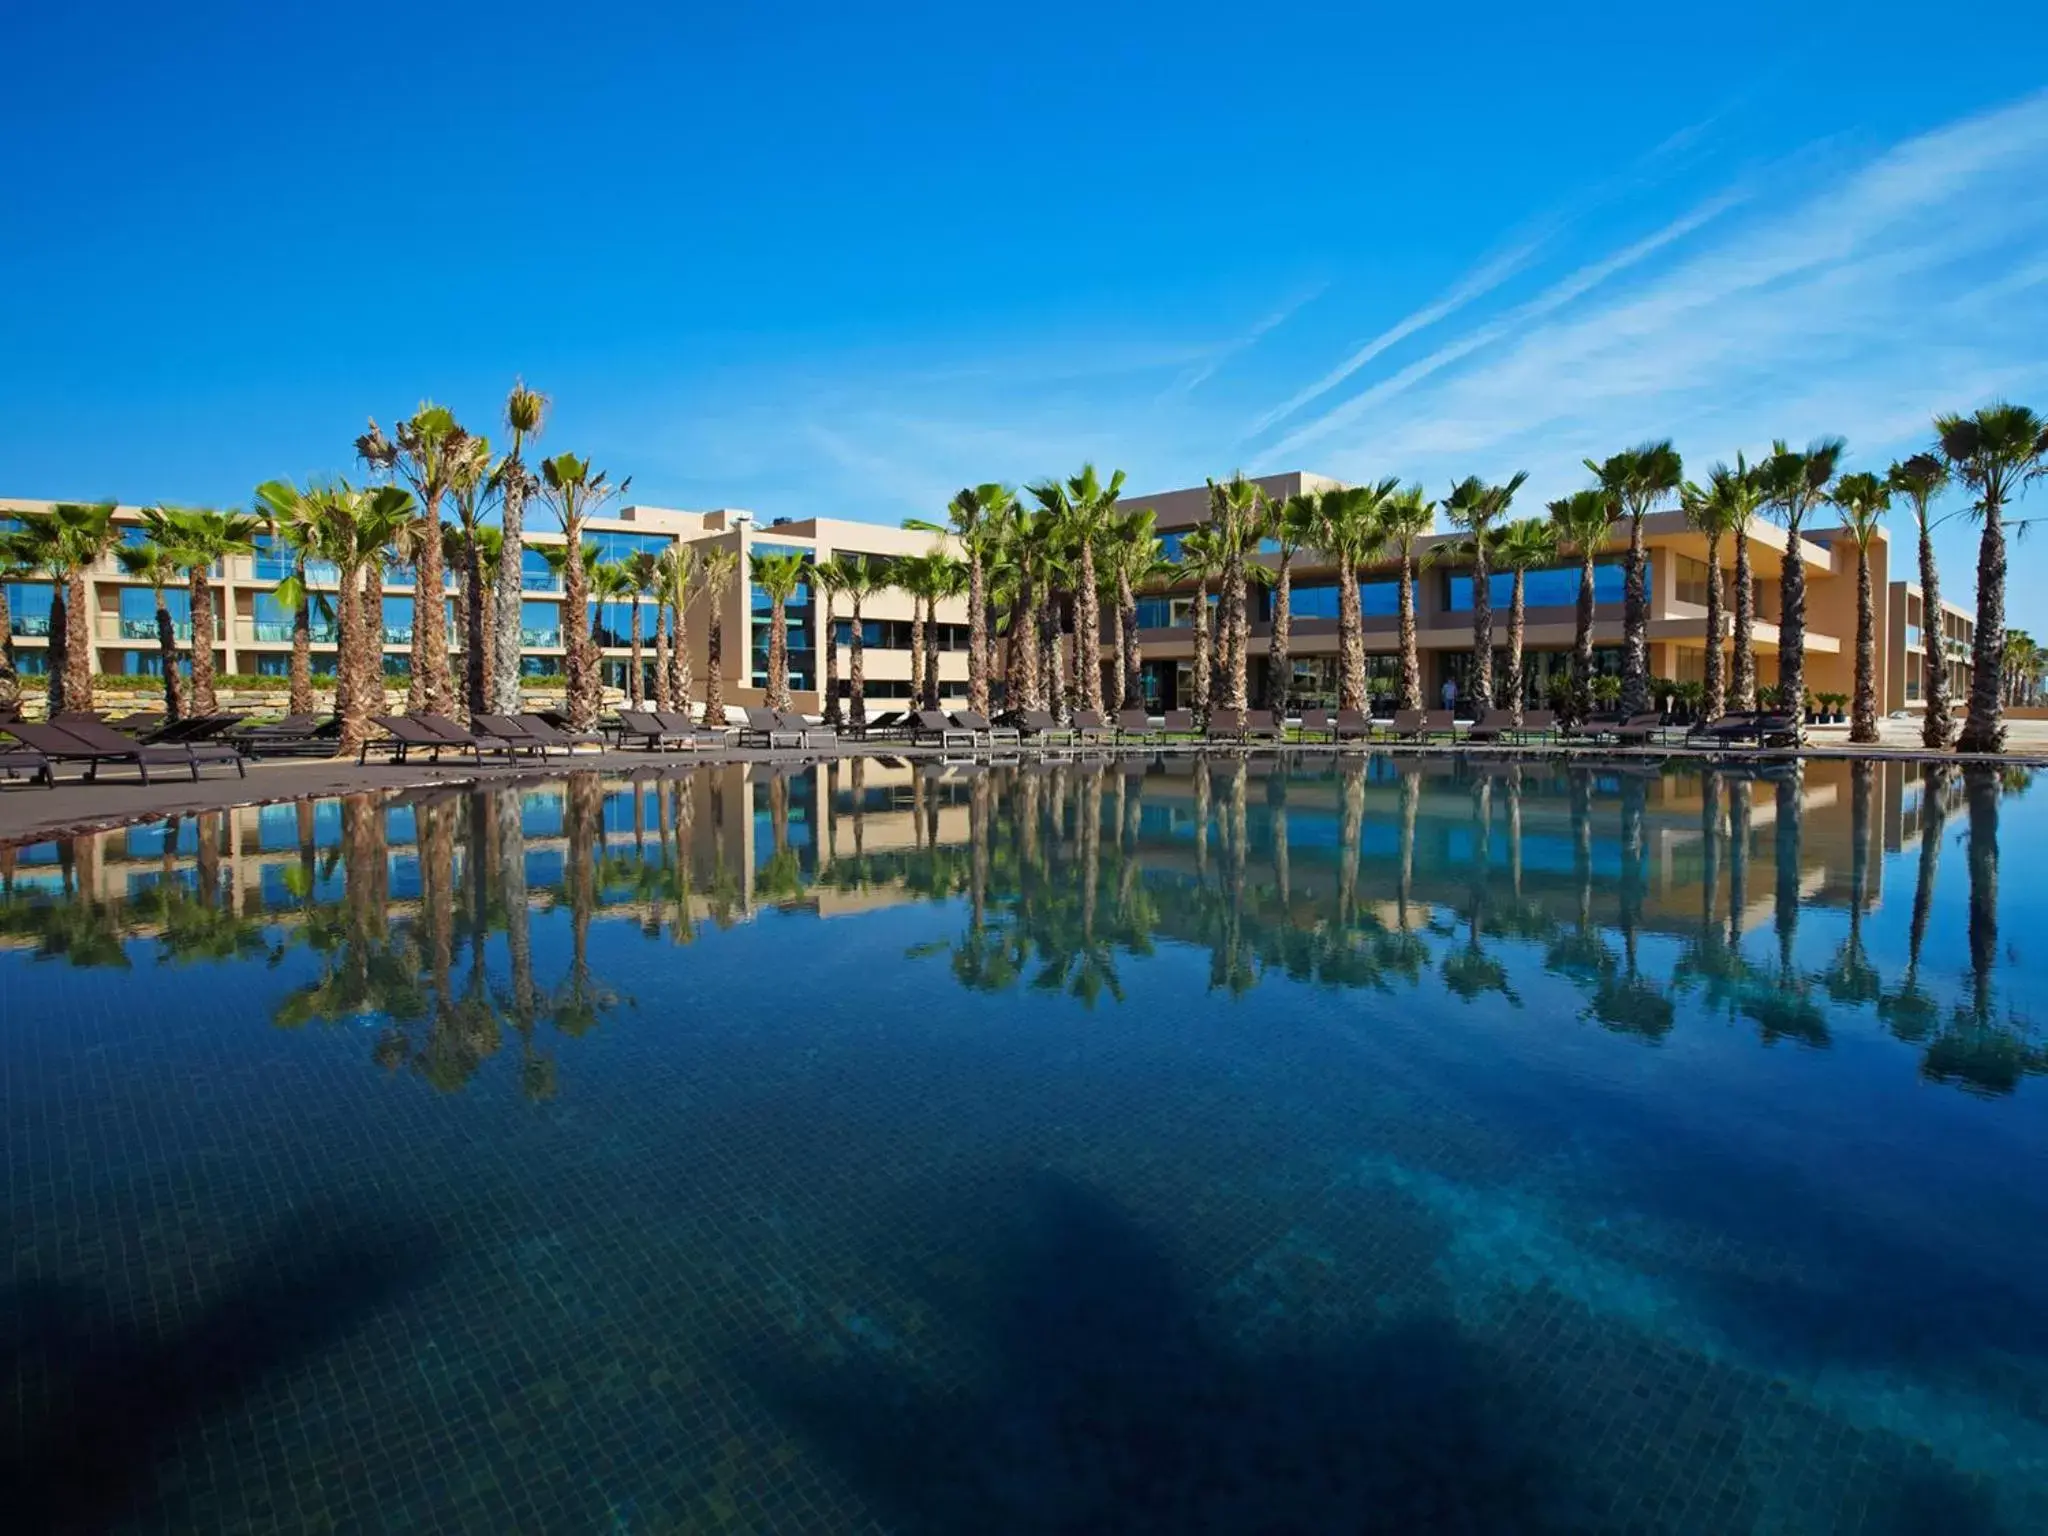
point(842, 260)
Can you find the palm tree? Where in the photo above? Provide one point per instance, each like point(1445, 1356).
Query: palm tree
point(1083, 504)
point(525, 410)
point(860, 579)
point(1348, 531)
point(68, 541)
point(1996, 453)
point(779, 576)
point(1635, 481)
point(1131, 559)
point(1200, 562)
point(1399, 519)
point(1717, 510)
point(920, 576)
point(1527, 544)
point(977, 517)
point(829, 578)
point(674, 589)
point(353, 530)
point(1585, 521)
point(1863, 498)
point(1236, 515)
point(485, 550)
point(154, 564)
point(471, 485)
point(1013, 574)
point(294, 518)
point(643, 571)
point(1474, 505)
point(610, 585)
point(1920, 479)
point(574, 490)
point(426, 453)
point(716, 573)
point(197, 540)
point(1793, 484)
point(1292, 525)
point(949, 580)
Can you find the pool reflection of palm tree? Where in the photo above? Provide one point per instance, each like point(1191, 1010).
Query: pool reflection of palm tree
point(1627, 1001)
point(1711, 960)
point(366, 970)
point(1470, 972)
point(537, 1080)
point(1782, 1004)
point(1910, 1011)
point(580, 1002)
point(1852, 978)
point(1581, 952)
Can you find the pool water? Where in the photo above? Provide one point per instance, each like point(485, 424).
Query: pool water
point(1205, 1145)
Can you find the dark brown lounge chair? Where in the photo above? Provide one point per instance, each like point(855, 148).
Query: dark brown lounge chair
point(1178, 722)
point(986, 729)
point(1354, 725)
point(14, 760)
point(1134, 725)
point(1090, 726)
point(92, 743)
point(649, 732)
point(1039, 726)
point(1260, 724)
point(1317, 722)
point(932, 727)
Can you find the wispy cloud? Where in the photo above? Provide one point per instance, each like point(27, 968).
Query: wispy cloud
point(1201, 372)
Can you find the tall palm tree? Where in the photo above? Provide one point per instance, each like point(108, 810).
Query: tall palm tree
point(779, 576)
point(610, 585)
point(525, 411)
point(1585, 521)
point(716, 573)
point(922, 577)
point(1637, 480)
point(425, 451)
point(67, 542)
point(1717, 510)
point(1013, 576)
point(1348, 531)
point(949, 580)
point(1527, 544)
point(471, 486)
point(294, 517)
point(1475, 506)
point(643, 570)
point(1201, 562)
point(1920, 479)
point(573, 490)
point(485, 549)
point(1292, 525)
point(197, 540)
point(154, 564)
point(977, 517)
point(355, 527)
point(1083, 503)
point(1237, 512)
point(1996, 452)
point(1131, 559)
point(860, 579)
point(1863, 498)
point(1793, 484)
point(675, 588)
point(828, 579)
point(1401, 516)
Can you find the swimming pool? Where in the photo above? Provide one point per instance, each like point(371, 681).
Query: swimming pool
point(1200, 1145)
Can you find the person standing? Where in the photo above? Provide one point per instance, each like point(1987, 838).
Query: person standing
point(1451, 694)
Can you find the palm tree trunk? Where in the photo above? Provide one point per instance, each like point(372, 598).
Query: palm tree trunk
point(834, 709)
point(1515, 616)
point(586, 682)
point(78, 649)
point(778, 654)
point(1020, 674)
point(1050, 624)
point(1582, 643)
point(917, 638)
point(1863, 708)
point(1981, 785)
point(505, 615)
point(1202, 658)
point(59, 648)
point(203, 700)
point(714, 667)
point(634, 685)
point(1113, 697)
point(1087, 634)
point(167, 650)
point(664, 682)
point(1936, 726)
point(1238, 610)
point(370, 689)
point(1411, 659)
point(1350, 637)
point(352, 639)
point(978, 646)
point(431, 688)
point(681, 683)
point(1984, 726)
point(1635, 624)
point(931, 652)
point(1743, 696)
point(856, 673)
point(1134, 650)
point(10, 674)
point(1279, 650)
point(1710, 707)
point(475, 648)
point(1792, 632)
point(301, 702)
point(1482, 622)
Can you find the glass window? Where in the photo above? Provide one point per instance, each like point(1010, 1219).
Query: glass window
point(540, 666)
point(138, 612)
point(535, 574)
point(271, 621)
point(1557, 587)
point(540, 624)
point(28, 607)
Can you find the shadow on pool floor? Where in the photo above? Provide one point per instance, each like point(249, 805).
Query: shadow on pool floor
point(122, 1398)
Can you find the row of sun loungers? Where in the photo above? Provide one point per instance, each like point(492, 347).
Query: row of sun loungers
point(91, 741)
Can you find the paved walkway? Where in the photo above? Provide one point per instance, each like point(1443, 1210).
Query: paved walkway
point(30, 811)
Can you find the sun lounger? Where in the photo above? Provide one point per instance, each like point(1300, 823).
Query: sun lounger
point(1317, 723)
point(1411, 724)
point(1134, 725)
point(193, 728)
point(1353, 725)
point(1488, 725)
point(1260, 725)
point(519, 734)
point(810, 733)
point(932, 727)
point(765, 728)
point(1225, 725)
point(1537, 724)
point(1090, 726)
point(650, 733)
point(1178, 722)
point(1595, 726)
point(93, 743)
point(18, 760)
point(889, 725)
point(1639, 730)
point(546, 729)
point(283, 738)
point(679, 722)
point(1038, 725)
point(459, 735)
point(406, 734)
point(987, 730)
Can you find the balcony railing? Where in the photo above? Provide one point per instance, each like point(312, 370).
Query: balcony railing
point(267, 631)
point(31, 624)
point(145, 629)
point(541, 639)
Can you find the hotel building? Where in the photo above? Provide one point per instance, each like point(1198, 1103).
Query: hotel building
point(1443, 600)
